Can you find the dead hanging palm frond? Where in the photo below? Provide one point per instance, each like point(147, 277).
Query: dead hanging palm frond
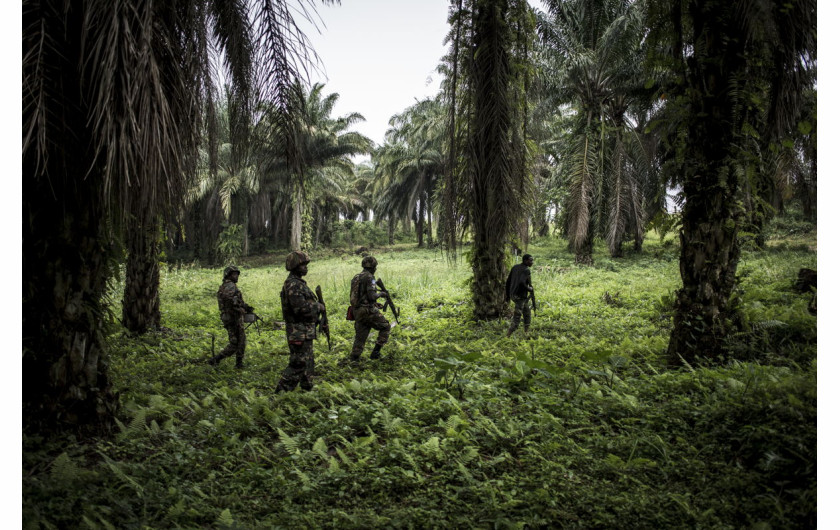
point(620, 198)
point(625, 201)
point(136, 132)
point(582, 168)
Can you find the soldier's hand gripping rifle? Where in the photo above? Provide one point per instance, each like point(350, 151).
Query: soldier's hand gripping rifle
point(252, 318)
point(388, 301)
point(323, 323)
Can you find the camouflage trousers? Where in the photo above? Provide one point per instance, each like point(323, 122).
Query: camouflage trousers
point(301, 367)
point(368, 318)
point(236, 341)
point(521, 309)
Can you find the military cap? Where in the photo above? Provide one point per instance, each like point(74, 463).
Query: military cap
point(369, 262)
point(295, 259)
point(229, 270)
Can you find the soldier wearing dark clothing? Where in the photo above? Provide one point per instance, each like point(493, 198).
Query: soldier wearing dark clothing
point(300, 312)
point(363, 296)
point(517, 288)
point(231, 308)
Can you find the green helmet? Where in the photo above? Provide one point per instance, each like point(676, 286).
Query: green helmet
point(295, 259)
point(369, 262)
point(230, 269)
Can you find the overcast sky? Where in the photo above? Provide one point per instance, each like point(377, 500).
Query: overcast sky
point(380, 56)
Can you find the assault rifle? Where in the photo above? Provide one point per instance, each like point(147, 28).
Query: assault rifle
point(252, 318)
point(388, 301)
point(533, 301)
point(323, 323)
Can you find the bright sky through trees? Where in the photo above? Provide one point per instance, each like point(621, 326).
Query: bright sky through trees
point(380, 55)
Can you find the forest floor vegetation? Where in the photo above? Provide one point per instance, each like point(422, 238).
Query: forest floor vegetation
point(579, 424)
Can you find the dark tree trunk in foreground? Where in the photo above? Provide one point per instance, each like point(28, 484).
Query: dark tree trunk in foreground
point(66, 257)
point(65, 381)
point(709, 248)
point(141, 299)
point(491, 159)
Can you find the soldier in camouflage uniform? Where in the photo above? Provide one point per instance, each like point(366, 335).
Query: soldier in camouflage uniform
point(517, 288)
point(363, 296)
point(231, 308)
point(300, 311)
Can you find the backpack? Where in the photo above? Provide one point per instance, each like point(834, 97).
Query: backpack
point(355, 295)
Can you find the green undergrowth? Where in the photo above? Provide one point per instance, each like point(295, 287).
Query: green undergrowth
point(578, 425)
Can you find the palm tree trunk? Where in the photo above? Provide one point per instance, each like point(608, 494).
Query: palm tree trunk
point(709, 248)
point(246, 247)
point(194, 234)
point(495, 205)
point(617, 214)
point(141, 300)
point(306, 226)
point(709, 253)
point(421, 215)
point(806, 185)
point(297, 224)
point(391, 226)
point(65, 258)
point(429, 223)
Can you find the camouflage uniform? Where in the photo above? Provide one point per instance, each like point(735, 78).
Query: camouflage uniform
point(517, 288)
point(300, 311)
point(367, 313)
point(231, 309)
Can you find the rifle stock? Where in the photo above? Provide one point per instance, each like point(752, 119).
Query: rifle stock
point(388, 301)
point(323, 323)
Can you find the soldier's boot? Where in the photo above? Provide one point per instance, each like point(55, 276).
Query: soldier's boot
point(281, 387)
point(353, 361)
point(509, 332)
point(239, 363)
point(214, 361)
point(374, 354)
point(526, 329)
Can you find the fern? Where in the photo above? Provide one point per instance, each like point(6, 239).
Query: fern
point(320, 448)
point(63, 469)
point(768, 324)
point(431, 447)
point(305, 480)
point(289, 444)
point(123, 476)
point(225, 518)
point(138, 423)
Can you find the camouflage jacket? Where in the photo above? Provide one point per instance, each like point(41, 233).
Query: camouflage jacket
point(300, 309)
point(518, 281)
point(231, 304)
point(363, 286)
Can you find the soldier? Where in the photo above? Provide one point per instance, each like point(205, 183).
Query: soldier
point(517, 288)
point(363, 296)
point(232, 307)
point(300, 311)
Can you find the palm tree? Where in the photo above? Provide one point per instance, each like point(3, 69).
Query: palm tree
point(314, 156)
point(722, 58)
point(592, 51)
point(226, 187)
point(113, 98)
point(412, 161)
point(494, 175)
